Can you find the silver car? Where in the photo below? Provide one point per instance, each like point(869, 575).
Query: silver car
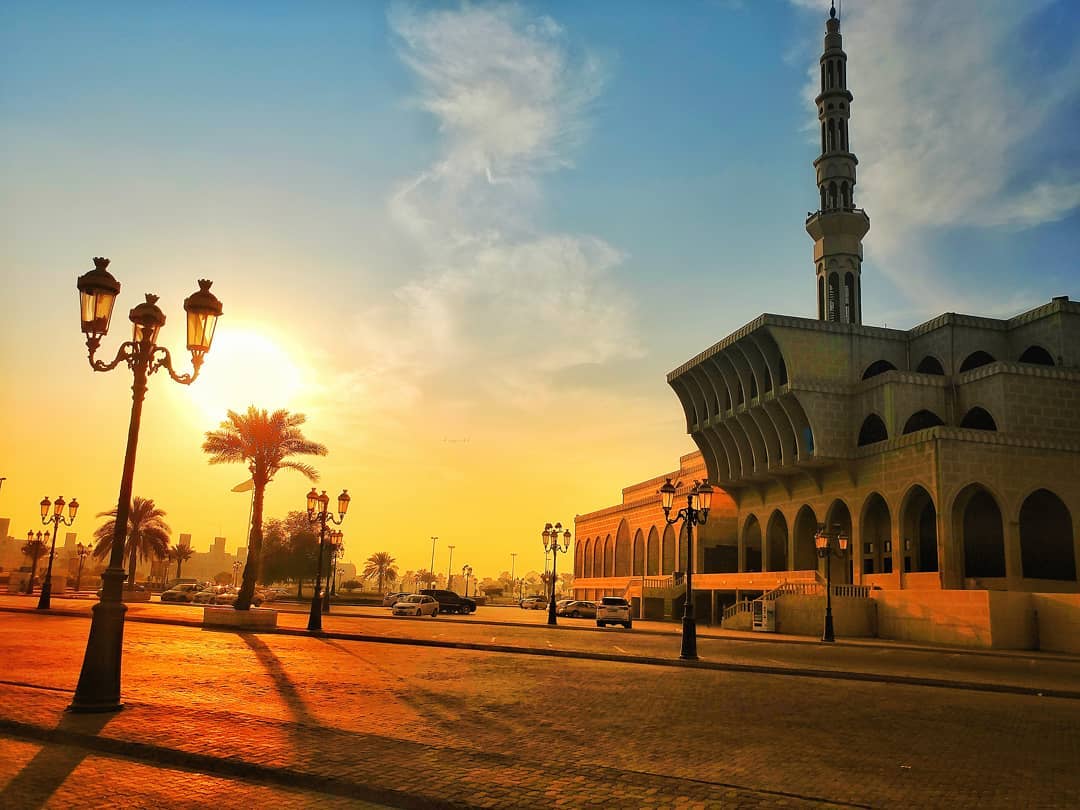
point(416, 604)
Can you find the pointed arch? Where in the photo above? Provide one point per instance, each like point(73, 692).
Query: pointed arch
point(752, 557)
point(976, 359)
point(875, 532)
point(609, 557)
point(921, 420)
point(638, 557)
point(930, 365)
point(977, 523)
point(978, 419)
point(598, 558)
point(872, 431)
point(623, 550)
point(667, 559)
point(581, 562)
point(876, 368)
point(652, 567)
point(918, 530)
point(1037, 355)
point(776, 542)
point(805, 552)
point(1046, 537)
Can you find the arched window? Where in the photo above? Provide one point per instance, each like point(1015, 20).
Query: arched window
point(840, 74)
point(822, 189)
point(834, 296)
point(877, 367)
point(842, 131)
point(921, 420)
point(974, 360)
point(849, 296)
point(978, 419)
point(823, 76)
point(832, 196)
point(981, 530)
point(872, 430)
point(1046, 538)
point(1037, 355)
point(829, 74)
point(831, 141)
point(930, 365)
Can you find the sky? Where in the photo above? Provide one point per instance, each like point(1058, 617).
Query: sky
point(468, 240)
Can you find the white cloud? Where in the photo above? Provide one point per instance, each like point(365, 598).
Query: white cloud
point(946, 119)
point(499, 302)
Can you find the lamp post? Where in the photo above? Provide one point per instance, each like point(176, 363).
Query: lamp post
point(83, 551)
point(824, 541)
point(513, 562)
point(56, 519)
point(335, 549)
point(466, 571)
point(318, 511)
point(235, 571)
point(450, 570)
point(335, 544)
point(42, 540)
point(431, 567)
point(99, 681)
point(551, 535)
point(696, 513)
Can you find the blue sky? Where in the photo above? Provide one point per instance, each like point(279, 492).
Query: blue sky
point(506, 222)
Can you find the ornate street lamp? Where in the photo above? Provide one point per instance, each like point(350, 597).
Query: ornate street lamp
point(466, 571)
point(42, 540)
point(99, 681)
point(82, 551)
point(552, 535)
point(235, 571)
point(318, 511)
point(56, 519)
point(824, 542)
point(334, 537)
point(696, 513)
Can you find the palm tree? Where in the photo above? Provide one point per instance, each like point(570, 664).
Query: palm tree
point(381, 564)
point(33, 549)
point(147, 534)
point(264, 441)
point(180, 555)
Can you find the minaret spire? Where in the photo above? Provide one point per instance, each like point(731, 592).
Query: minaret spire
point(838, 227)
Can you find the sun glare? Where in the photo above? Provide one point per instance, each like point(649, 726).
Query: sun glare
point(245, 367)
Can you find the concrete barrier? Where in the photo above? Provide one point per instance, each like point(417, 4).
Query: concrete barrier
point(225, 616)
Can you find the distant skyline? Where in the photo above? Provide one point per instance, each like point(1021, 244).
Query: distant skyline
point(469, 240)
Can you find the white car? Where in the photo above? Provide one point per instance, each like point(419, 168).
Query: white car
point(613, 610)
point(416, 604)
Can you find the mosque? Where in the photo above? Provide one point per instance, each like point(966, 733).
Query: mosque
point(948, 455)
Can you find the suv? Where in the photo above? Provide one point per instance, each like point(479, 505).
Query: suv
point(613, 610)
point(450, 602)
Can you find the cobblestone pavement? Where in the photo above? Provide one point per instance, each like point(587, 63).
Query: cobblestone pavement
point(239, 719)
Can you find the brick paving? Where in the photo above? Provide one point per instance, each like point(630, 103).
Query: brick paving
point(331, 720)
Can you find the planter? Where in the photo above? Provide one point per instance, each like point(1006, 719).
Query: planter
point(226, 617)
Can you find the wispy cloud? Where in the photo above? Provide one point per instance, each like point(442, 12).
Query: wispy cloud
point(498, 301)
point(946, 118)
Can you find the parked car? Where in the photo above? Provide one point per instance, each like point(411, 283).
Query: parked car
point(449, 601)
point(392, 599)
point(613, 610)
point(182, 592)
point(416, 604)
point(534, 603)
point(581, 609)
point(206, 596)
point(560, 604)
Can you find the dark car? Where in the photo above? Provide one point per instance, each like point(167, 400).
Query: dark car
point(583, 609)
point(450, 602)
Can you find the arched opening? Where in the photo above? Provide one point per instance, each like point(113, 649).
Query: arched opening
point(921, 420)
point(829, 75)
point(776, 539)
point(821, 290)
point(1037, 355)
point(978, 524)
point(623, 550)
point(806, 523)
point(842, 130)
point(877, 367)
point(1046, 537)
point(838, 519)
point(872, 430)
point(918, 531)
point(849, 294)
point(840, 76)
point(974, 360)
point(845, 192)
point(752, 544)
point(639, 554)
point(834, 295)
point(598, 558)
point(586, 559)
point(824, 148)
point(668, 551)
point(652, 569)
point(978, 419)
point(930, 365)
point(823, 87)
point(609, 557)
point(832, 196)
point(876, 536)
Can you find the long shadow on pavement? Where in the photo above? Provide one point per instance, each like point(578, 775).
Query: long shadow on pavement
point(282, 682)
point(52, 765)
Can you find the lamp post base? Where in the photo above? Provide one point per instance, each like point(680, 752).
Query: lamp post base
point(827, 635)
point(689, 639)
point(45, 599)
point(99, 681)
point(315, 617)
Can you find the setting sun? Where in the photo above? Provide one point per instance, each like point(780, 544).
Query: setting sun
point(249, 368)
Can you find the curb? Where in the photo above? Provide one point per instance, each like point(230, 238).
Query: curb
point(761, 669)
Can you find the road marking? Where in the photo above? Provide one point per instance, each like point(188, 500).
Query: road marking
point(620, 649)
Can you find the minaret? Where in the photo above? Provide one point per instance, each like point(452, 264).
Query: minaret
point(838, 227)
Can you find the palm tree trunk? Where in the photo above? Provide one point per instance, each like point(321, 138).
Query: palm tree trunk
point(131, 564)
point(380, 580)
point(179, 563)
point(33, 574)
point(251, 566)
point(300, 588)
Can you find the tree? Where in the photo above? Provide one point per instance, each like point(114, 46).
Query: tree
point(223, 578)
point(180, 555)
point(147, 534)
point(350, 585)
point(265, 442)
point(426, 578)
point(33, 549)
point(381, 565)
point(566, 582)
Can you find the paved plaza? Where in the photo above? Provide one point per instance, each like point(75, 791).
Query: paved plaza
point(384, 712)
